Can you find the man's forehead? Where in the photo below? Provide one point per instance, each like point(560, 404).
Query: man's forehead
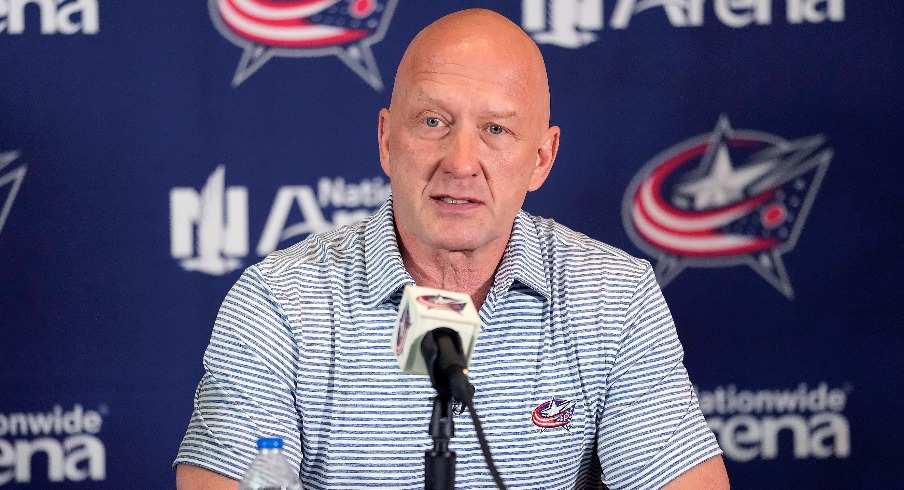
point(497, 100)
point(437, 76)
point(472, 60)
point(487, 57)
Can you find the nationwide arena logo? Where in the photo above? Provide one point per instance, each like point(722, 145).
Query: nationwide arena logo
point(12, 178)
point(732, 197)
point(209, 227)
point(265, 29)
point(577, 23)
point(51, 17)
point(804, 422)
point(52, 446)
point(440, 302)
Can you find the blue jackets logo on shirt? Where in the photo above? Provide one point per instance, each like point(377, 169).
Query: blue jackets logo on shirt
point(554, 413)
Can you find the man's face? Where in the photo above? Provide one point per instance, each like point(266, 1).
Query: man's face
point(466, 138)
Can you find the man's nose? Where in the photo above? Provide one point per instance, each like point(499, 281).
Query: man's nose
point(462, 156)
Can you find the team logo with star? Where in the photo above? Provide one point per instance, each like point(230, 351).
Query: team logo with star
point(731, 197)
point(557, 412)
point(404, 328)
point(440, 302)
point(265, 29)
point(10, 179)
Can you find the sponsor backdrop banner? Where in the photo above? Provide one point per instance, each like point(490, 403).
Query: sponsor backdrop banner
point(750, 150)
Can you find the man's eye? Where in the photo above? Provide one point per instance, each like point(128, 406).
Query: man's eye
point(432, 122)
point(495, 129)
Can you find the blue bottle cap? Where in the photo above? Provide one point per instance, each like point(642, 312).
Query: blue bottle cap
point(270, 443)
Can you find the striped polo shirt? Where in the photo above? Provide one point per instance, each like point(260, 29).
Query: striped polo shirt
point(578, 354)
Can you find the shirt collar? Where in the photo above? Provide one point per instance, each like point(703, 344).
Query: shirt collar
point(523, 259)
point(386, 274)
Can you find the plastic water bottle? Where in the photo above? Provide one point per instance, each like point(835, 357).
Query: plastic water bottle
point(270, 470)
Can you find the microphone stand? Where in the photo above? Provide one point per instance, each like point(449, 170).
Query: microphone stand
point(443, 356)
point(439, 469)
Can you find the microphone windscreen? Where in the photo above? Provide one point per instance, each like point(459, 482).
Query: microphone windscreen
point(425, 309)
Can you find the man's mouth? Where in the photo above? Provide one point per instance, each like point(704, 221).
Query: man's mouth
point(453, 201)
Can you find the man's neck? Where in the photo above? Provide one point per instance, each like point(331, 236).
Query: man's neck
point(470, 272)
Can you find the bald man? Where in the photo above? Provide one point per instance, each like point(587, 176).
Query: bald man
point(571, 325)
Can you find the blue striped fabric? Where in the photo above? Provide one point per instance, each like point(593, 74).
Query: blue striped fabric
point(301, 350)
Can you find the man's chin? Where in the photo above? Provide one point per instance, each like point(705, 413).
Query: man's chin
point(452, 241)
point(451, 238)
point(456, 245)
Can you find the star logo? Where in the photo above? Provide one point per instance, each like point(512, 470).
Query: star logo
point(440, 302)
point(404, 327)
point(732, 197)
point(721, 183)
point(11, 179)
point(554, 413)
point(265, 29)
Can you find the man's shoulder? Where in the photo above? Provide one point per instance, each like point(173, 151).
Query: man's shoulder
point(318, 251)
point(570, 247)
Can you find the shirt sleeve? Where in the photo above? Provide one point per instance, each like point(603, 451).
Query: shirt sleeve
point(248, 387)
point(651, 429)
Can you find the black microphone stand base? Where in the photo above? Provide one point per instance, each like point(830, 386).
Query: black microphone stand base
point(439, 462)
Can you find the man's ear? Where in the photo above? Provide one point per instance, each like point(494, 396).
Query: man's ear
point(546, 155)
point(383, 140)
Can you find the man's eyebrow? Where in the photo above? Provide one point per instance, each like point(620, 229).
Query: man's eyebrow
point(500, 115)
point(429, 100)
point(439, 102)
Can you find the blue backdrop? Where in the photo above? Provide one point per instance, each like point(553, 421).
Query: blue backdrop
point(751, 150)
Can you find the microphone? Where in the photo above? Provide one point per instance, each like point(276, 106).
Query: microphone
point(435, 335)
